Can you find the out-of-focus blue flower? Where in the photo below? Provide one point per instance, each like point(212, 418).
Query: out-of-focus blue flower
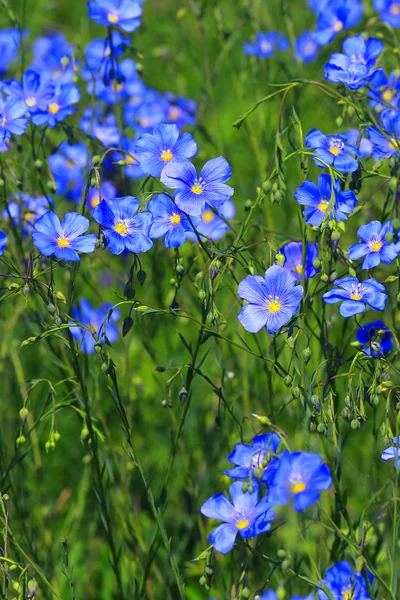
point(355, 66)
point(324, 201)
point(3, 242)
point(163, 146)
point(169, 221)
point(146, 112)
point(53, 59)
point(344, 582)
point(67, 167)
point(132, 168)
point(96, 195)
point(318, 5)
point(375, 338)
point(293, 253)
point(259, 455)
point(65, 239)
point(306, 49)
point(272, 595)
point(389, 11)
point(355, 295)
point(35, 94)
point(59, 106)
point(265, 45)
point(374, 246)
point(384, 91)
point(12, 121)
point(385, 145)
point(26, 210)
point(124, 14)
point(194, 191)
point(393, 452)
point(97, 319)
point(301, 477)
point(100, 53)
point(10, 40)
point(100, 126)
point(332, 150)
point(181, 111)
point(245, 516)
point(273, 299)
point(210, 224)
point(336, 16)
point(122, 227)
point(362, 143)
point(124, 83)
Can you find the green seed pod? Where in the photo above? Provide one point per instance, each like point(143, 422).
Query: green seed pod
point(378, 389)
point(321, 428)
point(202, 580)
point(97, 347)
point(295, 391)
point(23, 413)
point(164, 403)
point(339, 121)
point(259, 472)
point(267, 186)
point(247, 205)
point(317, 263)
point(180, 269)
point(245, 593)
point(209, 570)
point(20, 440)
point(285, 565)
point(335, 235)
point(281, 553)
point(288, 380)
point(355, 424)
point(274, 187)
point(38, 164)
point(375, 400)
point(51, 308)
point(351, 111)
point(96, 159)
point(201, 295)
point(307, 354)
point(324, 277)
point(57, 321)
point(396, 224)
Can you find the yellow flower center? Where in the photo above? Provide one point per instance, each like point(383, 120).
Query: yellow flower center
point(376, 246)
point(31, 101)
point(395, 9)
point(54, 108)
point(63, 242)
point(387, 95)
point(323, 206)
point(175, 219)
point(274, 306)
point(265, 47)
point(95, 201)
point(112, 18)
point(298, 487)
point(242, 524)
point(355, 296)
point(338, 26)
point(348, 595)
point(197, 189)
point(117, 86)
point(173, 113)
point(334, 150)
point(298, 269)
point(121, 227)
point(166, 155)
point(208, 216)
point(3, 121)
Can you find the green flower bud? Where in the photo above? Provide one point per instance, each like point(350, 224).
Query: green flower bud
point(247, 205)
point(202, 580)
point(245, 593)
point(355, 424)
point(23, 413)
point(20, 440)
point(267, 186)
point(38, 164)
point(180, 269)
point(96, 160)
point(321, 428)
point(281, 553)
point(201, 295)
point(317, 263)
point(324, 277)
point(288, 380)
point(209, 570)
point(280, 259)
point(285, 565)
point(51, 308)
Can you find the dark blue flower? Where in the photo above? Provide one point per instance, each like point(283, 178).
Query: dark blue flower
point(384, 91)
point(355, 66)
point(245, 516)
point(375, 338)
point(121, 13)
point(210, 224)
point(35, 94)
point(123, 228)
point(124, 83)
point(385, 145)
point(265, 45)
point(163, 146)
point(12, 121)
point(393, 452)
point(301, 477)
point(336, 16)
point(65, 239)
point(355, 295)
point(273, 299)
point(325, 201)
point(258, 455)
point(293, 253)
point(3, 242)
point(306, 49)
point(374, 246)
point(97, 320)
point(100, 55)
point(343, 582)
point(67, 167)
point(59, 106)
point(389, 11)
point(168, 220)
point(332, 150)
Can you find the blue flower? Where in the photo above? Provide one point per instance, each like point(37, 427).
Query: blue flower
point(10, 40)
point(332, 150)
point(105, 329)
point(25, 210)
point(272, 595)
point(355, 66)
point(273, 299)
point(53, 59)
point(300, 476)
point(245, 516)
point(59, 106)
point(35, 94)
point(306, 49)
point(12, 112)
point(3, 242)
point(210, 225)
point(265, 44)
point(362, 143)
point(355, 295)
point(163, 146)
point(123, 228)
point(344, 582)
point(100, 55)
point(375, 338)
point(121, 13)
point(336, 16)
point(385, 144)
point(389, 11)
point(67, 167)
point(293, 253)
point(130, 159)
point(168, 220)
point(96, 195)
point(248, 458)
point(325, 201)
point(318, 5)
point(180, 111)
point(65, 239)
point(193, 191)
point(100, 126)
point(124, 82)
point(374, 246)
point(393, 452)
point(384, 91)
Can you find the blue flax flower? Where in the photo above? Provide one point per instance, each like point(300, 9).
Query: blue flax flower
point(59, 106)
point(355, 66)
point(105, 329)
point(124, 14)
point(300, 476)
point(355, 295)
point(332, 150)
point(249, 457)
point(245, 516)
point(344, 583)
point(273, 299)
point(168, 220)
point(375, 338)
point(385, 145)
point(272, 595)
point(362, 143)
point(193, 191)
point(123, 228)
point(389, 11)
point(293, 253)
point(265, 45)
point(306, 49)
point(3, 242)
point(10, 40)
point(210, 224)
point(67, 167)
point(26, 210)
point(393, 452)
point(100, 126)
point(124, 82)
point(163, 146)
point(96, 195)
point(374, 246)
point(35, 94)
point(336, 16)
point(384, 91)
point(12, 121)
point(65, 239)
point(54, 59)
point(324, 201)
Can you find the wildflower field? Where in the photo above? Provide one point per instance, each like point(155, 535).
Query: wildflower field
point(199, 296)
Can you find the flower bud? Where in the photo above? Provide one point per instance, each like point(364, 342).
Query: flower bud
point(280, 259)
point(23, 413)
point(321, 428)
point(324, 277)
point(245, 593)
point(20, 440)
point(267, 186)
point(247, 205)
point(355, 424)
point(317, 263)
